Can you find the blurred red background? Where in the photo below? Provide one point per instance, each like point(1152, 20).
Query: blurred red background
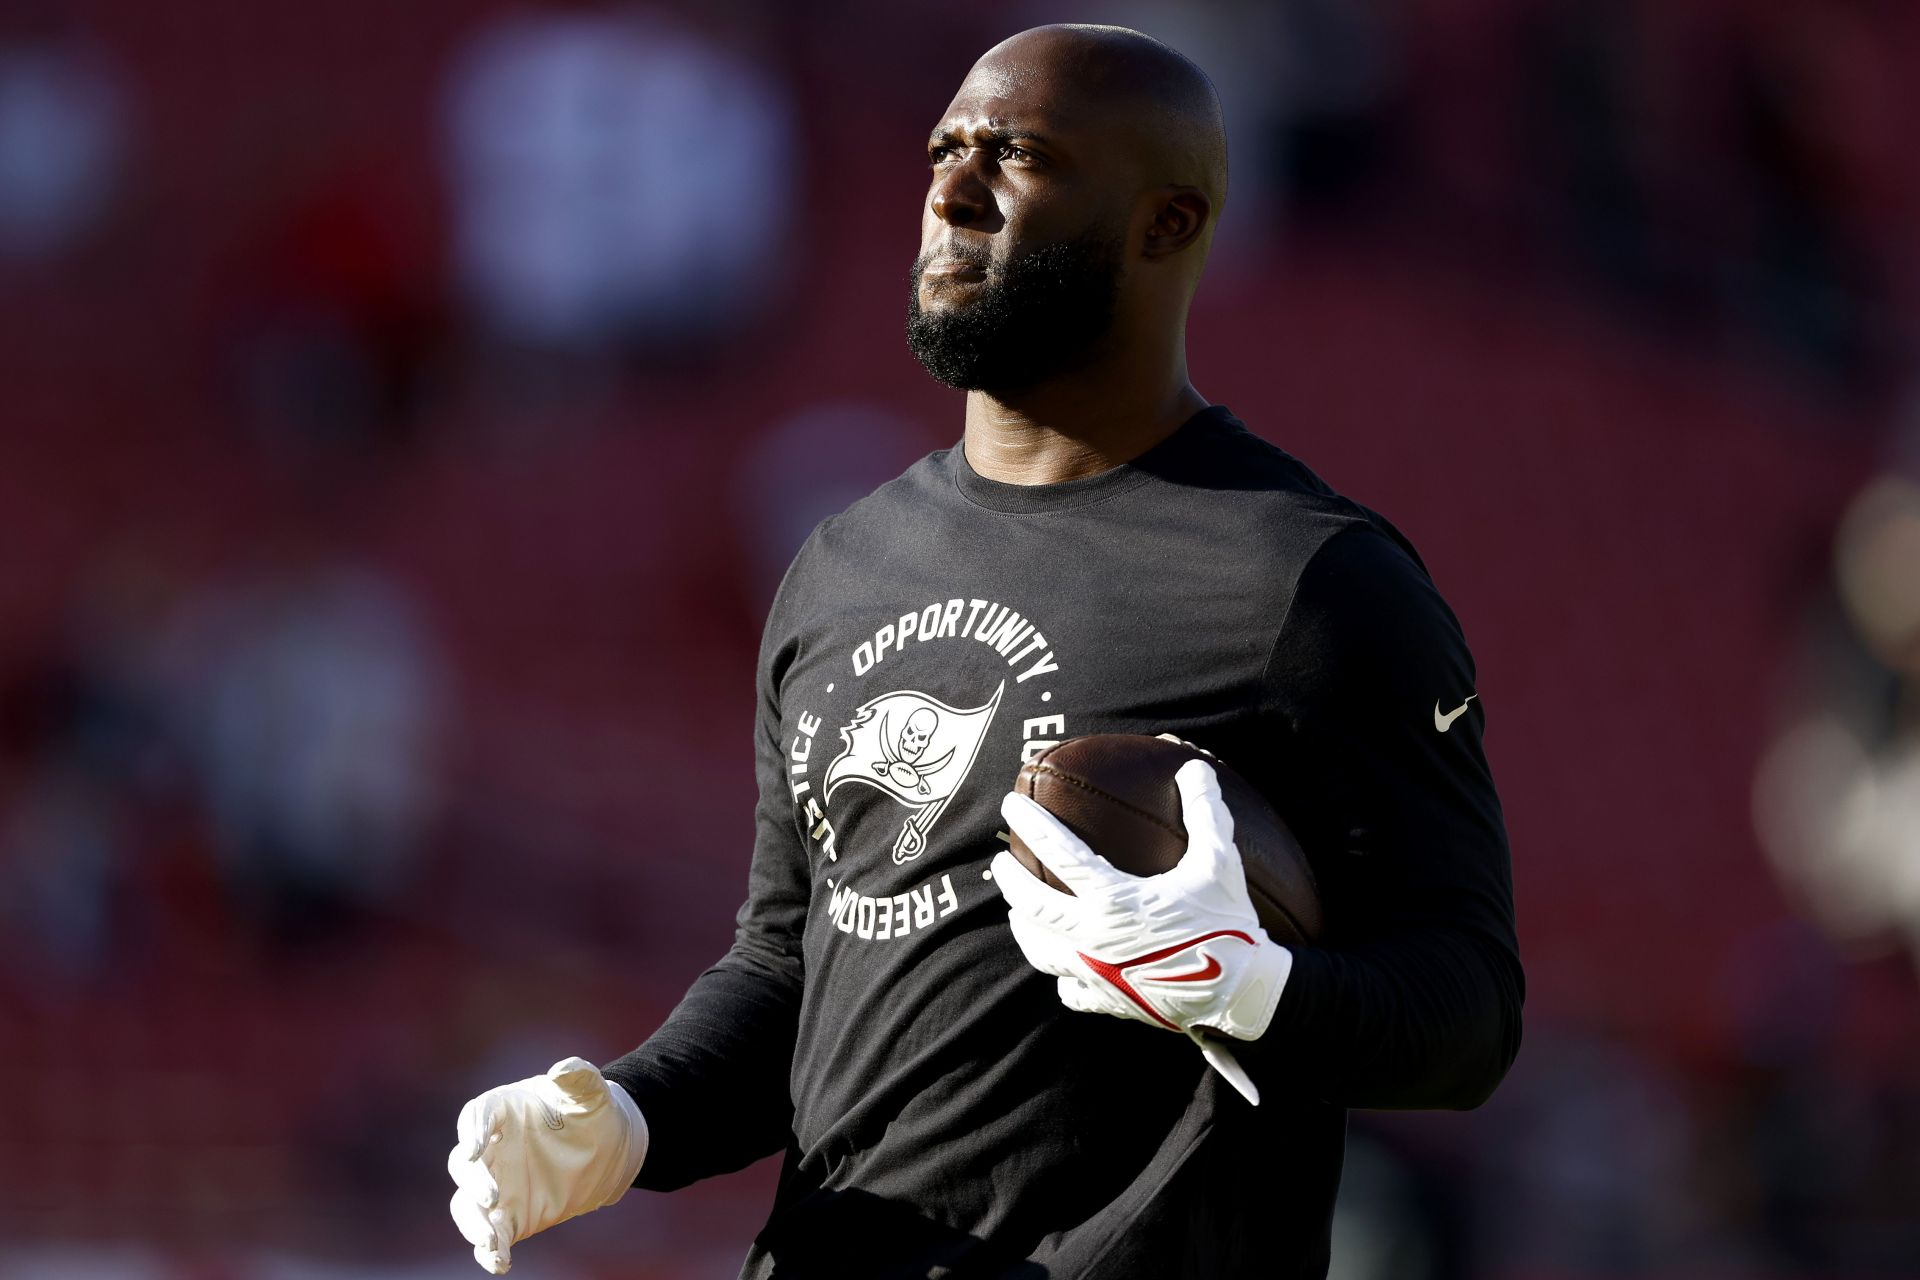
point(409, 408)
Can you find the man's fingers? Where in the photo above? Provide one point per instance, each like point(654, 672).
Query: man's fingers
point(473, 1177)
point(495, 1253)
point(1034, 912)
point(1209, 823)
point(476, 1193)
point(1203, 809)
point(474, 1225)
point(476, 1123)
point(1044, 949)
point(1078, 996)
point(497, 1261)
point(502, 1244)
point(1053, 842)
point(1037, 912)
point(1029, 895)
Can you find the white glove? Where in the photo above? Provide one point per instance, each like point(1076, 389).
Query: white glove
point(1181, 950)
point(539, 1151)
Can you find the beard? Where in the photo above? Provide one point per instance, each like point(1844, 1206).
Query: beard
point(1036, 316)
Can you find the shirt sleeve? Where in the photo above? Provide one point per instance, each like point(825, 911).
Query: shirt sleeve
point(1413, 996)
point(713, 1081)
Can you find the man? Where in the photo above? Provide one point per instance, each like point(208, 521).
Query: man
point(959, 1086)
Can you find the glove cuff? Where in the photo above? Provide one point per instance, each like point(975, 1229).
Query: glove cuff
point(636, 1138)
point(1252, 1008)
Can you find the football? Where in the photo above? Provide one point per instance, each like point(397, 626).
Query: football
point(1116, 792)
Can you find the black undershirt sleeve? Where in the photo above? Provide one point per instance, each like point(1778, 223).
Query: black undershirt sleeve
point(713, 1081)
point(1413, 999)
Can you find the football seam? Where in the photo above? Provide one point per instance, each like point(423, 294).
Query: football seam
point(1038, 768)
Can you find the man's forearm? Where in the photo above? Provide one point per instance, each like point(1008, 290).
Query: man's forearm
point(712, 1082)
point(1422, 1019)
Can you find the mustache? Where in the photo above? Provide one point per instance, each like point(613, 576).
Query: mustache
point(978, 258)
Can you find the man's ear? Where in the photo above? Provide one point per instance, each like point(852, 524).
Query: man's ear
point(1182, 214)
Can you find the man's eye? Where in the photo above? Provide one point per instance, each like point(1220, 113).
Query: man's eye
point(1017, 153)
point(936, 154)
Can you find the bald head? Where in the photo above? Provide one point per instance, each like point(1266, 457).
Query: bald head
point(1076, 178)
point(1154, 98)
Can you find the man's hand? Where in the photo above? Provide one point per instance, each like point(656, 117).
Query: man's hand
point(1181, 950)
point(539, 1151)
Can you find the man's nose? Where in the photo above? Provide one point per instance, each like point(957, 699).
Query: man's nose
point(959, 197)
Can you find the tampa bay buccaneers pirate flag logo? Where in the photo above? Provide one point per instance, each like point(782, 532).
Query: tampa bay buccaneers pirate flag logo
point(915, 748)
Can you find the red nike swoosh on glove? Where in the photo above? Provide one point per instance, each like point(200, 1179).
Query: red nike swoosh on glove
point(1210, 970)
point(1116, 973)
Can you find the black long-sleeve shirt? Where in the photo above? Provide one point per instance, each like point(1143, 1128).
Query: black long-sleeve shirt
point(941, 1113)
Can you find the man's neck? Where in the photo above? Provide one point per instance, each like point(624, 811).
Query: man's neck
point(1073, 428)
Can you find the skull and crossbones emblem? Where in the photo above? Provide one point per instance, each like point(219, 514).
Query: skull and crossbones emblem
point(903, 765)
